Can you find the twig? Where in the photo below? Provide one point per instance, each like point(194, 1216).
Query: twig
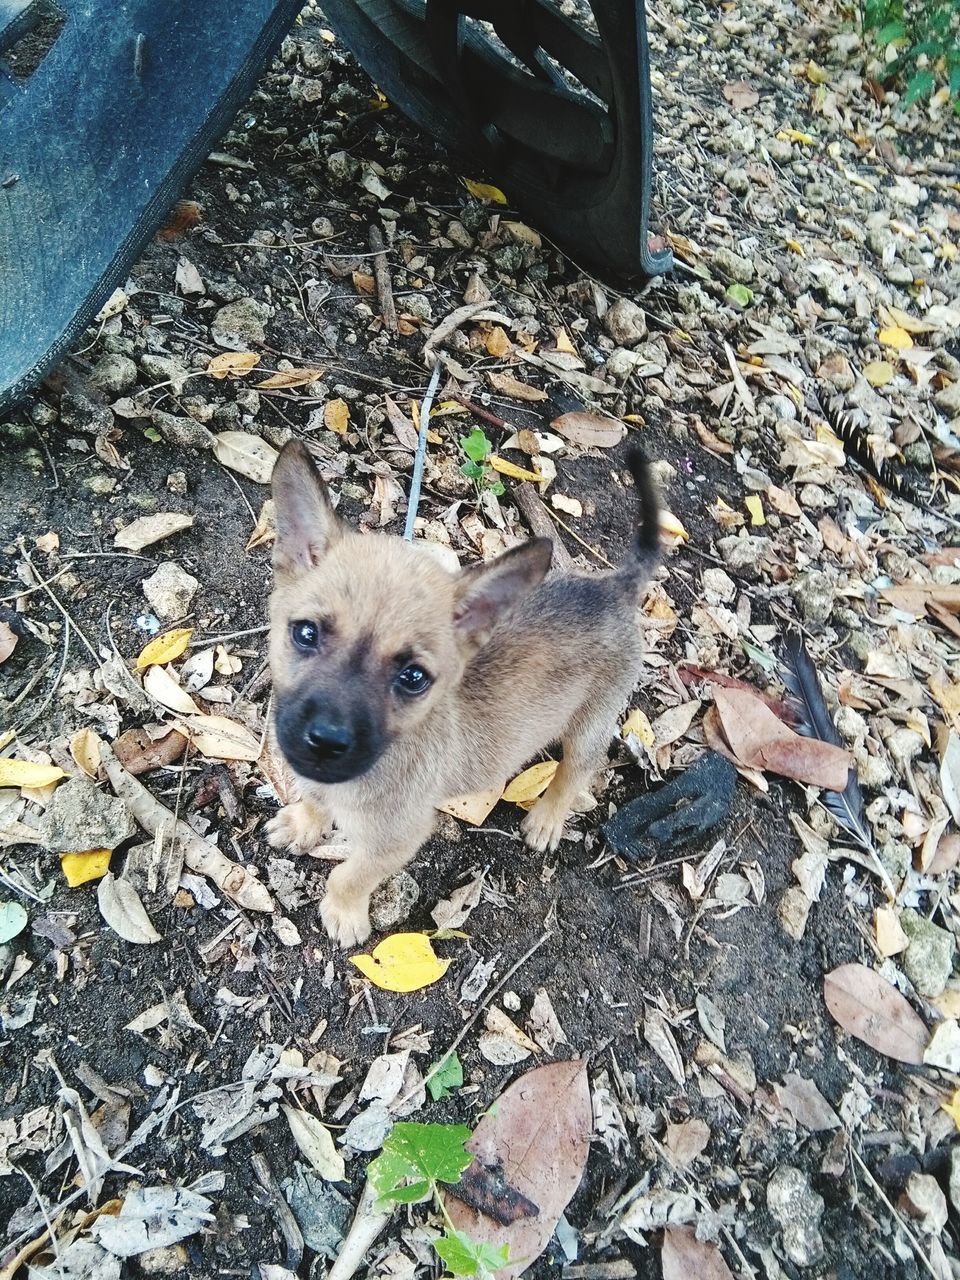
point(879, 1191)
point(459, 1037)
point(576, 537)
point(413, 501)
point(46, 586)
point(205, 641)
point(538, 518)
point(292, 1235)
point(53, 688)
point(381, 274)
point(50, 462)
point(480, 412)
point(46, 1219)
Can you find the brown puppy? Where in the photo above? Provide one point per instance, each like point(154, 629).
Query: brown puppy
point(399, 685)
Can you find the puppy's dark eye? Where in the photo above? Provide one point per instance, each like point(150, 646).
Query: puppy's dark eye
point(305, 635)
point(412, 679)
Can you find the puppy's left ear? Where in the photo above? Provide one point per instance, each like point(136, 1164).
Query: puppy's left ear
point(489, 593)
point(306, 521)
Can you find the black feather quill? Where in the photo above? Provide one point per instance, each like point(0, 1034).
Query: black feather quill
point(856, 443)
point(814, 721)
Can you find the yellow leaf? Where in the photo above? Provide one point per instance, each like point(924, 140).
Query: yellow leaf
point(402, 962)
point(952, 1108)
point(379, 102)
point(815, 73)
point(289, 378)
point(511, 469)
point(363, 283)
point(474, 808)
point(564, 343)
point(895, 337)
point(794, 135)
point(164, 648)
point(878, 372)
point(531, 782)
point(78, 868)
point(795, 247)
point(484, 191)
point(755, 507)
point(497, 342)
point(85, 749)
point(232, 364)
point(670, 525)
point(24, 773)
point(638, 724)
point(903, 320)
point(336, 416)
point(6, 738)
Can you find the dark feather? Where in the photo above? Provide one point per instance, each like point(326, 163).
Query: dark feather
point(814, 721)
point(856, 444)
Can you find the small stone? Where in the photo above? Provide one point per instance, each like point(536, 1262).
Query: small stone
point(928, 960)
point(924, 1201)
point(732, 266)
point(342, 166)
point(393, 901)
point(79, 412)
point(779, 150)
point(81, 817)
point(813, 497)
point(949, 400)
point(955, 1176)
point(904, 745)
point(718, 587)
point(114, 374)
point(458, 234)
point(818, 195)
point(798, 1209)
point(626, 323)
point(418, 304)
point(170, 591)
point(166, 370)
point(177, 483)
point(813, 595)
point(185, 433)
point(744, 552)
point(240, 325)
point(874, 772)
point(737, 181)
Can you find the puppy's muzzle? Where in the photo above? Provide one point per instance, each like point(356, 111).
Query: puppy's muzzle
point(327, 744)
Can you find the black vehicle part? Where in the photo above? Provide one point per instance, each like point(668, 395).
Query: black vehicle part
point(106, 110)
point(560, 115)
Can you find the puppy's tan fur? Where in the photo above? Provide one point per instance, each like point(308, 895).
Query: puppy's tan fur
point(517, 662)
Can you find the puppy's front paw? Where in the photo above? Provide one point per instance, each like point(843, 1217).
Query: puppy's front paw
point(347, 923)
point(298, 827)
point(543, 826)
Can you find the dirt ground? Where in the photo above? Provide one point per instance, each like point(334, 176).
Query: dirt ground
point(104, 444)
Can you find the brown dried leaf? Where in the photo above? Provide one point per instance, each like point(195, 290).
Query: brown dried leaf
point(684, 1142)
point(539, 1134)
point(760, 740)
point(659, 1036)
point(507, 385)
point(868, 1007)
point(684, 1257)
point(741, 94)
point(149, 747)
point(806, 1103)
point(590, 430)
point(289, 378)
point(8, 641)
point(147, 530)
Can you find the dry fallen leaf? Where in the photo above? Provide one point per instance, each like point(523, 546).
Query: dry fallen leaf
point(535, 1139)
point(760, 740)
point(503, 1043)
point(162, 687)
point(123, 911)
point(474, 808)
point(218, 738)
point(684, 1257)
point(532, 782)
point(232, 364)
point(511, 469)
point(891, 939)
point(149, 747)
point(868, 1007)
point(660, 1038)
point(402, 962)
point(78, 868)
point(165, 648)
point(289, 378)
point(590, 430)
point(741, 94)
point(336, 416)
point(8, 641)
point(316, 1142)
point(569, 506)
point(85, 750)
point(484, 191)
point(247, 454)
point(150, 529)
point(508, 385)
point(24, 773)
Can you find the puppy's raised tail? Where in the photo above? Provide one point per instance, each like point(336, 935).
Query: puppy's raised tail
point(645, 552)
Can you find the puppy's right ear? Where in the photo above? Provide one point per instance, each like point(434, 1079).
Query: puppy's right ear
point(307, 524)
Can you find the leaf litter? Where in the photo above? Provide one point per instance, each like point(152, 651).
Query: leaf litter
point(795, 389)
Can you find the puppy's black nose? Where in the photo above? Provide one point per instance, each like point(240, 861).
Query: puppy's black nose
point(328, 740)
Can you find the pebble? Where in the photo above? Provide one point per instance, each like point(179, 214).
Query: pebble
point(798, 1209)
point(737, 181)
point(393, 901)
point(924, 1201)
point(164, 369)
point(81, 817)
point(949, 400)
point(626, 323)
point(114, 374)
point(185, 433)
point(744, 552)
point(458, 234)
point(240, 325)
point(928, 960)
point(170, 591)
point(732, 265)
point(342, 166)
point(813, 594)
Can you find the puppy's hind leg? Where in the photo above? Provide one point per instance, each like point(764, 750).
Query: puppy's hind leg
point(376, 854)
point(584, 743)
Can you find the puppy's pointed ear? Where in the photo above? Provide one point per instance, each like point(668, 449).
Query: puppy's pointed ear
point(306, 521)
point(488, 593)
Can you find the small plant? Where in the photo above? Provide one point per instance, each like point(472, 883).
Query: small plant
point(478, 449)
point(926, 34)
point(415, 1160)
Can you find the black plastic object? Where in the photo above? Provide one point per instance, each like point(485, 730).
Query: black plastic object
point(107, 107)
point(688, 807)
point(559, 115)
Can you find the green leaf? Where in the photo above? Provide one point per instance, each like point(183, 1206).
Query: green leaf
point(153, 434)
point(449, 1076)
point(495, 487)
point(466, 1257)
point(472, 470)
point(422, 1154)
point(920, 85)
point(892, 31)
point(476, 445)
point(13, 920)
point(740, 294)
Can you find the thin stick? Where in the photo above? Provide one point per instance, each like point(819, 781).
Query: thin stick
point(459, 1037)
point(46, 586)
point(205, 641)
point(483, 414)
point(537, 517)
point(917, 1247)
point(415, 484)
point(53, 688)
point(381, 273)
point(46, 1219)
point(576, 537)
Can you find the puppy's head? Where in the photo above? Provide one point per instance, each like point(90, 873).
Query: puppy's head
point(369, 634)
